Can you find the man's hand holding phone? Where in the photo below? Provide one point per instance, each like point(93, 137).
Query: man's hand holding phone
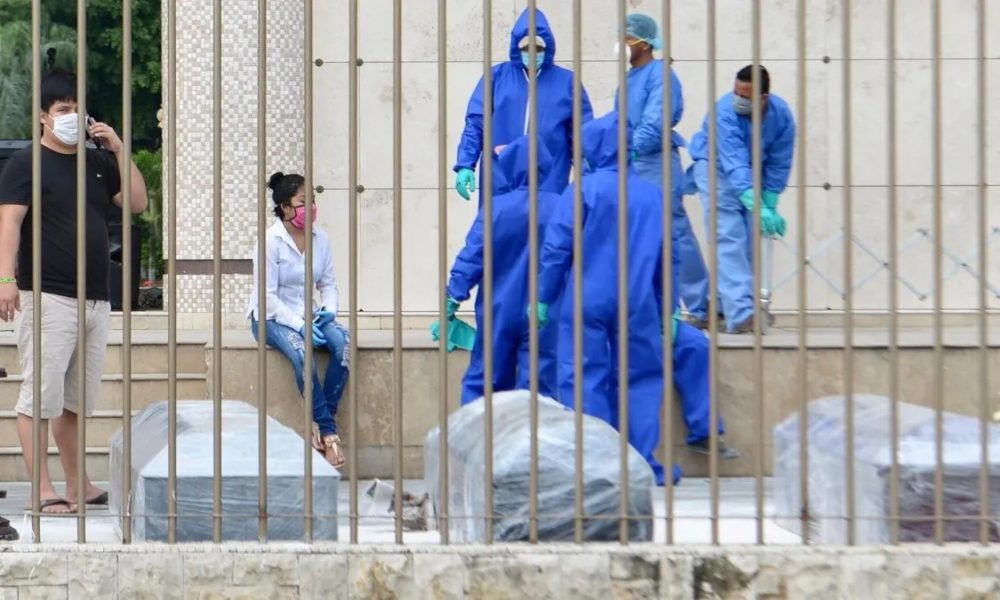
point(104, 135)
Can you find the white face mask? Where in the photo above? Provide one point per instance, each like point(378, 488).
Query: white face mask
point(628, 50)
point(66, 128)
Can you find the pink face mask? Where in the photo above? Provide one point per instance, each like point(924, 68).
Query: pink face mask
point(299, 220)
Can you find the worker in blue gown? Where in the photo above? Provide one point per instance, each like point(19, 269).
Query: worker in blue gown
point(734, 186)
point(599, 269)
point(645, 96)
point(511, 359)
point(510, 109)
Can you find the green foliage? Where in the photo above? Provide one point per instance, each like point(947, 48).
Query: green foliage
point(150, 164)
point(104, 62)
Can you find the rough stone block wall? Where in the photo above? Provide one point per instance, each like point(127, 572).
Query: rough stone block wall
point(299, 571)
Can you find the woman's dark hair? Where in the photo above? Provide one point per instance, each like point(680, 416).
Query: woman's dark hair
point(283, 187)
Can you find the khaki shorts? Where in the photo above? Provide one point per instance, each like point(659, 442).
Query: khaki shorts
point(59, 371)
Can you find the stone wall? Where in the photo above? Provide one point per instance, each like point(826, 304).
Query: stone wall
point(499, 572)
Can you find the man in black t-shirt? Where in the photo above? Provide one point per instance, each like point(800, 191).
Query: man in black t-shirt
point(59, 313)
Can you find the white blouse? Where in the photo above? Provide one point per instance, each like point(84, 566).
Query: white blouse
point(286, 278)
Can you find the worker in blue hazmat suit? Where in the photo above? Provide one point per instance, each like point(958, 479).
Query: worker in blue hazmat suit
point(645, 93)
point(599, 269)
point(736, 202)
point(510, 109)
point(511, 360)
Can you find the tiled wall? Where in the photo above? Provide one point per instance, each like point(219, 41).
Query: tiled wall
point(821, 131)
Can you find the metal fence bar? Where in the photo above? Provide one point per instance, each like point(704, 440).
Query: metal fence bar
point(486, 195)
point(81, 277)
point(217, 273)
point(982, 215)
point(713, 282)
point(39, 450)
point(667, 410)
point(126, 268)
point(397, 253)
point(442, 47)
point(172, 277)
point(310, 198)
point(803, 283)
point(846, 117)
point(352, 194)
point(532, 260)
point(893, 240)
point(578, 280)
point(936, 171)
point(757, 158)
point(623, 231)
point(262, 224)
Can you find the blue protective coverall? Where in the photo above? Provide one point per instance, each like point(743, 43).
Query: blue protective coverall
point(511, 360)
point(599, 269)
point(735, 176)
point(645, 89)
point(510, 109)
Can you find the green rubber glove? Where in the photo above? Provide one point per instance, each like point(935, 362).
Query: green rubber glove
point(770, 200)
point(634, 156)
point(674, 323)
point(747, 199)
point(460, 334)
point(451, 308)
point(771, 223)
point(465, 183)
point(543, 314)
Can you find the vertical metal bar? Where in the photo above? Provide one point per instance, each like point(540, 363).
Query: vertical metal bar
point(803, 283)
point(758, 317)
point(352, 193)
point(533, 262)
point(486, 193)
point(81, 271)
point(982, 213)
point(39, 450)
point(713, 283)
point(893, 241)
point(217, 275)
point(126, 266)
point(172, 276)
point(668, 278)
point(262, 218)
point(846, 117)
point(938, 380)
point(310, 365)
point(397, 263)
point(442, 31)
point(623, 325)
point(578, 280)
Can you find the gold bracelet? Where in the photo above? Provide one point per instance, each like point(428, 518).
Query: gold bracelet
point(4, 280)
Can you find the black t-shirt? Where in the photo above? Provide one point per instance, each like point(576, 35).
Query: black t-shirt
point(59, 218)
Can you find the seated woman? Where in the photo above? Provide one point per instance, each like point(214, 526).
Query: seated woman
point(286, 313)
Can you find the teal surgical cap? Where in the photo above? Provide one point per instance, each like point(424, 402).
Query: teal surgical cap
point(644, 28)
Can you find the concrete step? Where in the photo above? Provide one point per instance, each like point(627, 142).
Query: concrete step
point(146, 358)
point(100, 427)
point(12, 464)
point(147, 388)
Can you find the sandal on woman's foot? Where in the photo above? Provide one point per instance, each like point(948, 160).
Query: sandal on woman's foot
point(317, 439)
point(334, 452)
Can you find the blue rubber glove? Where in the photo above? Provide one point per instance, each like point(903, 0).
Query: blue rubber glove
point(543, 314)
point(747, 199)
point(318, 338)
point(451, 308)
point(465, 183)
point(324, 317)
point(770, 200)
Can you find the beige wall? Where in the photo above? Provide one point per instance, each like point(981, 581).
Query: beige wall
point(821, 131)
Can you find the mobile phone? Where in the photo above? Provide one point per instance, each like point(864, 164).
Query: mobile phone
point(89, 120)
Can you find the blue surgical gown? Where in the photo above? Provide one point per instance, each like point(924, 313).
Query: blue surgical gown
point(511, 359)
point(510, 109)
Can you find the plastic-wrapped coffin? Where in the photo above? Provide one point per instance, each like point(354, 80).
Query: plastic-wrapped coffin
point(556, 469)
point(827, 506)
point(240, 507)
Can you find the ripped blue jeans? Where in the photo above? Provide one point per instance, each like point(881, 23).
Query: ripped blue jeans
point(326, 397)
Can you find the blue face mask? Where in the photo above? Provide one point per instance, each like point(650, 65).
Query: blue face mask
point(526, 59)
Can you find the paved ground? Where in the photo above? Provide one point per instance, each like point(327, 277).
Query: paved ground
point(692, 509)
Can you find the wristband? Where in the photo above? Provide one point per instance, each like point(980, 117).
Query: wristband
point(4, 280)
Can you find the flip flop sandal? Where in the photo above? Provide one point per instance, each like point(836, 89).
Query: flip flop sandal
point(333, 441)
point(99, 500)
point(49, 503)
point(317, 439)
